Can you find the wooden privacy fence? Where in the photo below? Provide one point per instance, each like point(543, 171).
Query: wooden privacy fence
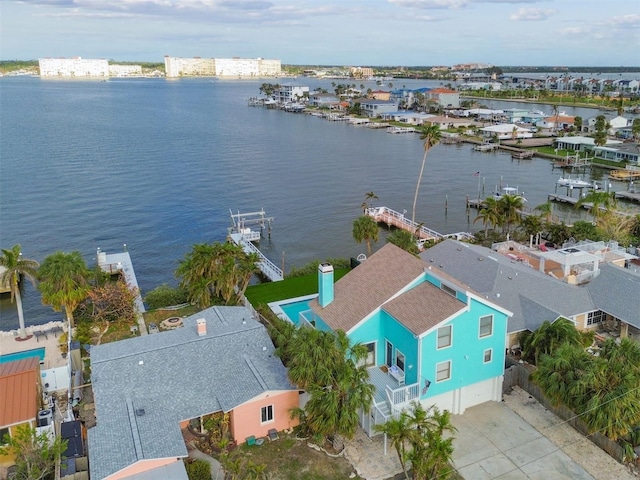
point(518, 374)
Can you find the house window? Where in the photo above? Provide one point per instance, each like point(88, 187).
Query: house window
point(444, 336)
point(4, 432)
point(400, 360)
point(488, 355)
point(486, 326)
point(370, 359)
point(594, 318)
point(443, 371)
point(266, 414)
point(448, 289)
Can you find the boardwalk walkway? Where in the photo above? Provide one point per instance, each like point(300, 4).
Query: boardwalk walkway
point(398, 220)
point(267, 267)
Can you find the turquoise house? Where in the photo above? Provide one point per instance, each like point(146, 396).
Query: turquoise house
point(430, 338)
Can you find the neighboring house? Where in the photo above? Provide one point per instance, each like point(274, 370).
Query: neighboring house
point(614, 124)
point(445, 122)
point(620, 152)
point(430, 338)
point(375, 108)
point(534, 295)
point(147, 388)
point(292, 93)
point(580, 144)
point(325, 100)
point(410, 118)
point(20, 394)
point(556, 122)
point(506, 131)
point(381, 95)
point(444, 97)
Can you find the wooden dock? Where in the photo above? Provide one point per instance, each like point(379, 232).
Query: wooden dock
point(243, 235)
point(120, 263)
point(396, 219)
point(633, 196)
point(628, 173)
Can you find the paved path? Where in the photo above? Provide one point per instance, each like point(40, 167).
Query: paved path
point(217, 473)
point(368, 458)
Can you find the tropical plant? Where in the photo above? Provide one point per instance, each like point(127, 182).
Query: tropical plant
point(405, 240)
point(365, 229)
point(64, 282)
point(217, 270)
point(198, 469)
point(332, 371)
point(36, 454)
point(399, 432)
point(549, 336)
point(165, 296)
point(111, 302)
point(430, 135)
point(489, 214)
point(15, 268)
point(510, 207)
point(601, 203)
point(424, 431)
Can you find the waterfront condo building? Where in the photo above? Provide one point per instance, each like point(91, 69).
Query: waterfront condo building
point(73, 67)
point(221, 67)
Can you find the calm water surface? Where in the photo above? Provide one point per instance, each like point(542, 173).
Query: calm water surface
point(157, 165)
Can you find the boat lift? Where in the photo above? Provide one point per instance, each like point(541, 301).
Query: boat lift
point(242, 222)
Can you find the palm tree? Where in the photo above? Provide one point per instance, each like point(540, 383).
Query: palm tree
point(598, 201)
point(549, 336)
point(365, 229)
point(510, 207)
point(64, 282)
point(369, 197)
point(399, 432)
point(16, 267)
point(546, 210)
point(489, 214)
point(430, 135)
point(220, 270)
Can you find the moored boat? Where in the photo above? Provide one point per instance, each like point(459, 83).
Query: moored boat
point(573, 182)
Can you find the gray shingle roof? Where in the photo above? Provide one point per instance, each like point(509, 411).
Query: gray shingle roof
point(617, 291)
point(532, 296)
point(175, 376)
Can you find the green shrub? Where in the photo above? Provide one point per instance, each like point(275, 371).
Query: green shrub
point(198, 470)
point(165, 296)
point(312, 268)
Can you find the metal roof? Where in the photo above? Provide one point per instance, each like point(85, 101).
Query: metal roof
point(19, 391)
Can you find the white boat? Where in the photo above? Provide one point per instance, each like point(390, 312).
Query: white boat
point(513, 191)
point(573, 183)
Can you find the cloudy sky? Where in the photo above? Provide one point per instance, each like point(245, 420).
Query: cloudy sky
point(328, 32)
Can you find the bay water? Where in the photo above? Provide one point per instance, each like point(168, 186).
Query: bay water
point(158, 165)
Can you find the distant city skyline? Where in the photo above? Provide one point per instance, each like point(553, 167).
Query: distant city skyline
point(328, 32)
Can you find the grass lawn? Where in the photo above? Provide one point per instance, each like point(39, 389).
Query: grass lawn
point(291, 459)
point(265, 293)
point(157, 316)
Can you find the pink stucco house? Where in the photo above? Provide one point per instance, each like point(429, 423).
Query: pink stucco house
point(147, 388)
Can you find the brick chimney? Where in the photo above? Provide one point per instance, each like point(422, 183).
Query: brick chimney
point(201, 327)
point(325, 284)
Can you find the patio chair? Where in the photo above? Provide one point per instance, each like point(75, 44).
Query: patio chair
point(273, 435)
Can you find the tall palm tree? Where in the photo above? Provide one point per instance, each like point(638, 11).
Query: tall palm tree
point(430, 135)
point(365, 229)
point(64, 282)
point(16, 267)
point(369, 197)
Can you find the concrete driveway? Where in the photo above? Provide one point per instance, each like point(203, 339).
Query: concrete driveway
point(494, 442)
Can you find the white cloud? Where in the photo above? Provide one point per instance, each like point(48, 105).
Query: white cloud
point(431, 4)
point(631, 20)
point(532, 14)
point(574, 31)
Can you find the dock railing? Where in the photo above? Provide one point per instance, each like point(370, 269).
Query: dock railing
point(267, 266)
